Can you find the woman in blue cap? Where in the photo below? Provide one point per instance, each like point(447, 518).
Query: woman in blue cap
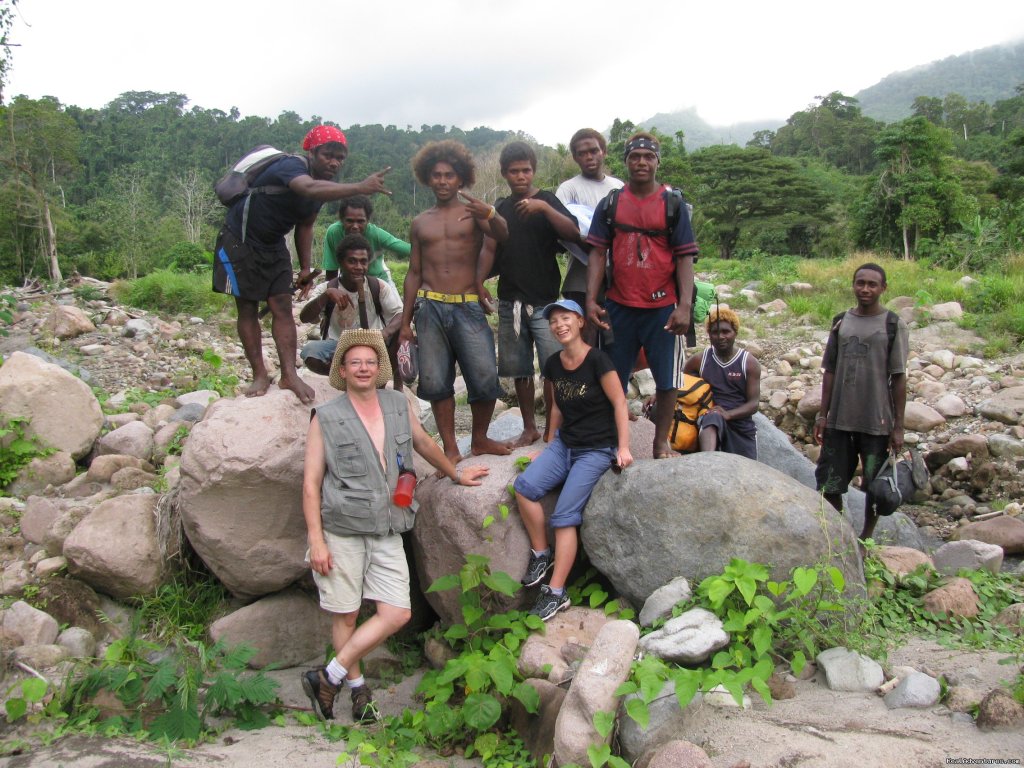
point(590, 423)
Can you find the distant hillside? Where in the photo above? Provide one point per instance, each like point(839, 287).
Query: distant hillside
point(988, 74)
point(698, 133)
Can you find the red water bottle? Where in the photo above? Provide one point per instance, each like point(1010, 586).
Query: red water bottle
point(405, 486)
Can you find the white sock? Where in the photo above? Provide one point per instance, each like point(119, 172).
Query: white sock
point(335, 672)
point(542, 552)
point(357, 683)
point(557, 592)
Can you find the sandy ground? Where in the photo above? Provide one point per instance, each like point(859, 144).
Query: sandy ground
point(818, 727)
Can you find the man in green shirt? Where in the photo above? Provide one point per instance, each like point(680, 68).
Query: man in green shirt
point(354, 218)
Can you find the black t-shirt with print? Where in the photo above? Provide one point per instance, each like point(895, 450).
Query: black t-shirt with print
point(588, 417)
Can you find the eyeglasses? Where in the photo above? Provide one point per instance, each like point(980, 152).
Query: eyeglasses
point(361, 363)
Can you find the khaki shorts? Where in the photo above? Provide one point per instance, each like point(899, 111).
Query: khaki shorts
point(363, 567)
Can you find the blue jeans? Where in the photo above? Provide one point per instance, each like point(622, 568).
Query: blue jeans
point(322, 350)
point(515, 351)
point(450, 333)
point(578, 468)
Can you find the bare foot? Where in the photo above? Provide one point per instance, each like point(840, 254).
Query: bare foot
point(664, 451)
point(259, 386)
point(528, 437)
point(489, 446)
point(301, 389)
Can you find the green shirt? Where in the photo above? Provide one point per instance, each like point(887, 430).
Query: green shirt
point(379, 241)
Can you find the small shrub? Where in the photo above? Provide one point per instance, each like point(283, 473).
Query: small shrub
point(170, 292)
point(189, 257)
point(17, 449)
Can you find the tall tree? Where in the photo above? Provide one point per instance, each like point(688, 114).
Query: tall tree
point(39, 155)
point(915, 190)
point(738, 189)
point(6, 23)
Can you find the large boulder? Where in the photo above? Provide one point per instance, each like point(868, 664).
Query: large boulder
point(605, 667)
point(115, 548)
point(63, 412)
point(775, 450)
point(133, 439)
point(67, 322)
point(1006, 405)
point(451, 523)
point(288, 628)
point(241, 489)
point(1003, 531)
point(690, 516)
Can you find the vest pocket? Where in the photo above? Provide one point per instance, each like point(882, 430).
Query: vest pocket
point(348, 511)
point(350, 460)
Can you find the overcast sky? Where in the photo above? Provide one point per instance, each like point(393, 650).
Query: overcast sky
point(543, 66)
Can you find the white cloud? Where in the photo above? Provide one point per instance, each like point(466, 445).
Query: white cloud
point(544, 67)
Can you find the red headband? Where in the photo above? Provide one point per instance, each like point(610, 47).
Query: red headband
point(323, 134)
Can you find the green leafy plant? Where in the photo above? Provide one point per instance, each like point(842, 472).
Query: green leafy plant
point(17, 448)
point(170, 693)
point(464, 699)
point(22, 695)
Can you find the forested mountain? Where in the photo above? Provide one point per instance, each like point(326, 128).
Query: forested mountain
point(988, 74)
point(699, 133)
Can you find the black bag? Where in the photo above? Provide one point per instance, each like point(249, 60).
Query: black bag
point(896, 482)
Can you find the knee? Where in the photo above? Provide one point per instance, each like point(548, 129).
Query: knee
point(398, 618)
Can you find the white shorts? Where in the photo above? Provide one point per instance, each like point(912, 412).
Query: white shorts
point(363, 567)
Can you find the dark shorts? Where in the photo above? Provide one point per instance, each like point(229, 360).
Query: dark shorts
point(840, 452)
point(730, 439)
point(637, 329)
point(245, 272)
point(455, 333)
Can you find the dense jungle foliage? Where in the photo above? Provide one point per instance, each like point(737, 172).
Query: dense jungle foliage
point(125, 190)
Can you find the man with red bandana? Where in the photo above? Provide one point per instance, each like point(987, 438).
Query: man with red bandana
point(251, 260)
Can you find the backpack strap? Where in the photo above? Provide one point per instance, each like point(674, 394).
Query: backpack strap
point(831, 355)
point(374, 284)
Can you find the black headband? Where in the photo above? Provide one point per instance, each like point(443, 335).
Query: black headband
point(641, 142)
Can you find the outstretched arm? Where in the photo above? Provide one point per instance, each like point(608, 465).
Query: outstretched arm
point(431, 451)
point(325, 191)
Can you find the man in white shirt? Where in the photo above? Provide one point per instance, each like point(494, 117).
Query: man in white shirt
point(354, 299)
point(588, 188)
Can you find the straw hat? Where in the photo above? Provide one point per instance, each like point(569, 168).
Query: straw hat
point(361, 338)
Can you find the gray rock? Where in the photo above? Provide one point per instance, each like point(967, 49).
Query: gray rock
point(970, 554)
point(604, 669)
point(41, 656)
point(43, 471)
point(690, 516)
point(950, 310)
point(62, 411)
point(845, 670)
point(287, 628)
point(137, 328)
point(775, 450)
point(201, 397)
point(690, 638)
point(915, 690)
point(190, 412)
point(241, 489)
point(15, 577)
point(950, 406)
point(33, 626)
point(79, 642)
point(675, 754)
point(102, 468)
point(667, 721)
point(662, 600)
point(919, 417)
point(40, 513)
point(115, 549)
point(48, 566)
point(133, 439)
point(541, 655)
point(1007, 406)
point(1005, 447)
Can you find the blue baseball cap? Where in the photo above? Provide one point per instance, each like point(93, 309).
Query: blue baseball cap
point(566, 304)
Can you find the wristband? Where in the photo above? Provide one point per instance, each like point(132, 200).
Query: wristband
point(492, 213)
point(458, 477)
point(820, 418)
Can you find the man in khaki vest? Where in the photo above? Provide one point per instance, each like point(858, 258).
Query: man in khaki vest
point(356, 447)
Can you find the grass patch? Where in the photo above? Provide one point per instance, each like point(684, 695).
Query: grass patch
point(171, 293)
point(183, 608)
point(993, 306)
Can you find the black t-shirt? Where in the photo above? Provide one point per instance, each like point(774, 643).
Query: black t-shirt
point(588, 417)
point(527, 268)
point(271, 217)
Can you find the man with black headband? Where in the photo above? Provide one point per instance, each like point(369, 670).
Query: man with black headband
point(649, 301)
point(251, 261)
